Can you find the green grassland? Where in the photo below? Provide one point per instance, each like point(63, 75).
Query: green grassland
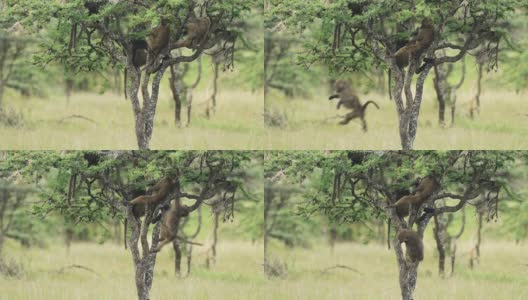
point(501, 274)
point(502, 123)
point(237, 123)
point(237, 274)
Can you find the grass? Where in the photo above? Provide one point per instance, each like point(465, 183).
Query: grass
point(237, 123)
point(237, 274)
point(502, 273)
point(502, 124)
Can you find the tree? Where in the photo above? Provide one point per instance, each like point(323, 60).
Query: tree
point(114, 31)
point(359, 186)
point(360, 35)
point(94, 186)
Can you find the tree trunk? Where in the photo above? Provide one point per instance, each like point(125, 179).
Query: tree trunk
point(409, 111)
point(177, 92)
point(144, 114)
point(143, 262)
point(215, 235)
point(177, 257)
point(408, 272)
point(438, 232)
point(440, 84)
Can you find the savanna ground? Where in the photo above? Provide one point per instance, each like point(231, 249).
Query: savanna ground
point(502, 273)
point(236, 125)
point(501, 124)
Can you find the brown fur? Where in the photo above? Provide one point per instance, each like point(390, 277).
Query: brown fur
point(349, 99)
point(171, 222)
point(159, 192)
point(413, 244)
point(417, 45)
point(197, 32)
point(424, 190)
point(159, 39)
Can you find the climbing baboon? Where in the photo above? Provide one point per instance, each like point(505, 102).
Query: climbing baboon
point(197, 30)
point(159, 192)
point(171, 222)
point(424, 190)
point(159, 38)
point(413, 245)
point(417, 45)
point(349, 99)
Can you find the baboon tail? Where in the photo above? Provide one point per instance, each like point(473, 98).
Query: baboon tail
point(125, 86)
point(390, 85)
point(125, 234)
point(369, 102)
point(388, 232)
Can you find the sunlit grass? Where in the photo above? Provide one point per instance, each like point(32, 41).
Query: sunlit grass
point(502, 273)
point(237, 123)
point(502, 124)
point(236, 275)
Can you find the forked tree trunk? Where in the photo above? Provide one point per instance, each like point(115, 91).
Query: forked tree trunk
point(144, 261)
point(409, 112)
point(145, 111)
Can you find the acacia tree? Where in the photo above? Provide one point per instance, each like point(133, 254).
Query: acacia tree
point(94, 186)
point(91, 40)
point(357, 35)
point(358, 186)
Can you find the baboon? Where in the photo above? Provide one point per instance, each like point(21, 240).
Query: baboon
point(417, 45)
point(197, 30)
point(139, 58)
point(138, 210)
point(424, 190)
point(159, 38)
point(159, 192)
point(171, 222)
point(349, 99)
point(139, 52)
point(413, 245)
point(414, 48)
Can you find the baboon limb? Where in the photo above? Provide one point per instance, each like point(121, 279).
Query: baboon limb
point(413, 245)
point(170, 223)
point(424, 190)
point(348, 98)
point(159, 192)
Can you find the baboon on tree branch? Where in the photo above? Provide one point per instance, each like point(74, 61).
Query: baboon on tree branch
point(158, 39)
point(349, 99)
point(424, 190)
point(413, 245)
point(171, 222)
point(197, 31)
point(417, 45)
point(414, 48)
point(159, 192)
